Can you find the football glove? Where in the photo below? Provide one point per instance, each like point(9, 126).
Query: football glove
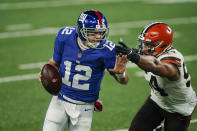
point(98, 106)
point(131, 53)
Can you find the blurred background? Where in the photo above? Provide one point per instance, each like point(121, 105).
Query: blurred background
point(27, 32)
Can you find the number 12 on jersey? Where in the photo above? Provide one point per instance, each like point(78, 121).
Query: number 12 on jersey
point(77, 77)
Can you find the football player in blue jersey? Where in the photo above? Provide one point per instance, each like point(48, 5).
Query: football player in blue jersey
point(81, 54)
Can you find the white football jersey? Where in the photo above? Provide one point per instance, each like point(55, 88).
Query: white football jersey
point(173, 96)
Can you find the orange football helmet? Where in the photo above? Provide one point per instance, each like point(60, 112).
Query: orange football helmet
point(158, 36)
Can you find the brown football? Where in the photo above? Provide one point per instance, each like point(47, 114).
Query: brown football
point(51, 79)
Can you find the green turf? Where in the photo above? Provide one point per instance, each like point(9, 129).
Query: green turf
point(23, 104)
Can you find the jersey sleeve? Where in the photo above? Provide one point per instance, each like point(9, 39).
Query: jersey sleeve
point(173, 57)
point(109, 56)
point(58, 47)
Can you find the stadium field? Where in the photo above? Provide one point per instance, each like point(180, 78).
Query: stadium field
point(27, 32)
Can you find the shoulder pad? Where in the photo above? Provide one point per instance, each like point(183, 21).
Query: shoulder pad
point(173, 56)
point(109, 44)
point(67, 30)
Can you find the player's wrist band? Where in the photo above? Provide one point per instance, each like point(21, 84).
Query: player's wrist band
point(121, 75)
point(134, 57)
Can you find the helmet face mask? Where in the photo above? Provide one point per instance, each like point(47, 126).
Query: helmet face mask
point(155, 39)
point(92, 22)
point(85, 31)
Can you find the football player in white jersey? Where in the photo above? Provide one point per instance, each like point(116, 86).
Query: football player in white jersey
point(172, 98)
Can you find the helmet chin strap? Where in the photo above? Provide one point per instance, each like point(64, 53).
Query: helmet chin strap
point(91, 45)
point(85, 44)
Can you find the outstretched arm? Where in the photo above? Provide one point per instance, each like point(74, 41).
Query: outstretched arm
point(150, 63)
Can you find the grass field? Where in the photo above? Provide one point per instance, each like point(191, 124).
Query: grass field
point(27, 32)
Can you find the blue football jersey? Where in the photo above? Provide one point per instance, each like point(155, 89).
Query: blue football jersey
point(82, 71)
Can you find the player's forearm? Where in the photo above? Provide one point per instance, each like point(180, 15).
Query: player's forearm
point(149, 64)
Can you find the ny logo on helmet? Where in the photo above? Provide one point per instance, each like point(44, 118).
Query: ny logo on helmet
point(82, 17)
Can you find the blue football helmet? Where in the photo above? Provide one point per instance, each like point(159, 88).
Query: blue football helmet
point(92, 21)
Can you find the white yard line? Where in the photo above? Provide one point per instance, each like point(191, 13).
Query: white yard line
point(190, 58)
point(31, 65)
point(19, 27)
point(19, 78)
point(170, 21)
point(121, 28)
point(36, 32)
point(171, 1)
point(194, 121)
point(48, 31)
point(60, 3)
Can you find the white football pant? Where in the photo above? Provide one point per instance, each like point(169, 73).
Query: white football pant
point(61, 113)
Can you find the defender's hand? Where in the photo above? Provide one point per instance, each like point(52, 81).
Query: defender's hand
point(123, 48)
point(132, 54)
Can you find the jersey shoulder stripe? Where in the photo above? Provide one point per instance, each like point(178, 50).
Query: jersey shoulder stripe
point(172, 56)
point(173, 60)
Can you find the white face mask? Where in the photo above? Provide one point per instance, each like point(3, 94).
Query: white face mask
point(93, 37)
point(86, 45)
point(93, 45)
